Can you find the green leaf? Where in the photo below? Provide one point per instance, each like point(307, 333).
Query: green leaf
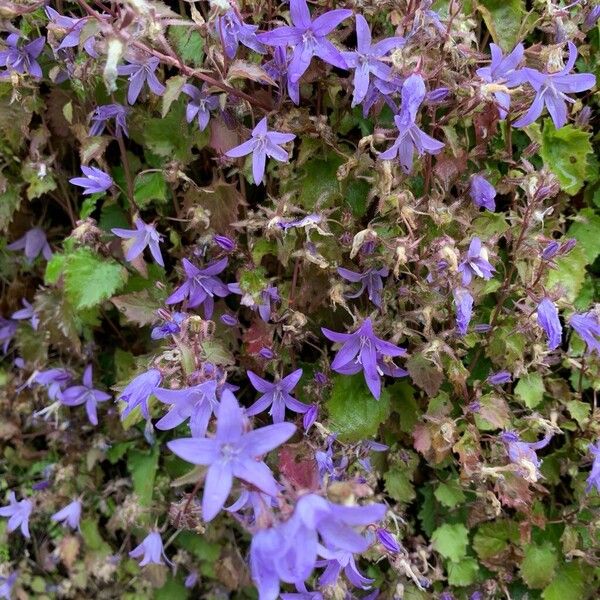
point(530, 389)
point(189, 44)
point(173, 87)
point(493, 538)
point(424, 374)
point(449, 493)
point(9, 204)
point(319, 184)
point(569, 582)
point(92, 538)
point(149, 187)
point(580, 411)
point(39, 182)
point(569, 275)
point(565, 152)
point(142, 466)
point(398, 484)
point(174, 589)
point(504, 19)
point(354, 413)
point(539, 564)
point(489, 224)
point(451, 541)
point(140, 307)
point(586, 230)
point(462, 573)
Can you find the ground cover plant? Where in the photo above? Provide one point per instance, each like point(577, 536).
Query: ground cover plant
point(299, 299)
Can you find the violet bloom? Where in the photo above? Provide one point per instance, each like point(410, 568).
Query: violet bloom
point(523, 454)
point(308, 38)
point(140, 72)
point(85, 394)
point(191, 580)
point(276, 395)
point(54, 380)
point(551, 250)
point(476, 263)
point(363, 350)
point(27, 313)
point(278, 69)
point(104, 113)
point(201, 286)
point(139, 391)
point(143, 235)
point(499, 378)
point(234, 31)
point(587, 326)
point(200, 105)
point(34, 243)
point(69, 515)
point(502, 71)
point(151, 550)
point(369, 280)
point(463, 305)
point(411, 139)
point(96, 181)
point(195, 403)
point(8, 328)
point(170, 326)
point(551, 90)
point(310, 417)
point(335, 561)
point(263, 143)
point(232, 453)
point(264, 304)
point(7, 584)
point(18, 514)
point(482, 193)
point(70, 25)
point(547, 316)
point(366, 60)
point(21, 58)
point(593, 479)
point(387, 540)
point(225, 243)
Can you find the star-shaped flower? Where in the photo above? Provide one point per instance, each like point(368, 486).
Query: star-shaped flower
point(200, 104)
point(143, 235)
point(18, 514)
point(151, 550)
point(34, 243)
point(104, 113)
point(523, 454)
point(7, 584)
point(593, 479)
point(369, 280)
point(138, 391)
point(234, 31)
point(587, 326)
point(482, 193)
point(85, 394)
point(21, 58)
point(140, 72)
point(476, 263)
point(27, 313)
point(463, 304)
point(69, 515)
point(96, 181)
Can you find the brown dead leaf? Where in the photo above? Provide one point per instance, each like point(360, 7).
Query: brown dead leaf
point(68, 549)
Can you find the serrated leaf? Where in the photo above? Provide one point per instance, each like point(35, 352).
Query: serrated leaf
point(214, 351)
point(449, 493)
point(451, 541)
point(530, 389)
point(586, 230)
point(142, 467)
point(569, 275)
point(493, 538)
point(425, 374)
point(140, 307)
point(9, 204)
point(539, 565)
point(580, 411)
point(92, 538)
point(242, 69)
point(188, 43)
point(150, 187)
point(173, 87)
point(398, 484)
point(504, 19)
point(462, 573)
point(569, 582)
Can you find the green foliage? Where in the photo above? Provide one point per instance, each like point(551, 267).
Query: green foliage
point(142, 466)
point(539, 565)
point(530, 389)
point(451, 541)
point(150, 187)
point(504, 20)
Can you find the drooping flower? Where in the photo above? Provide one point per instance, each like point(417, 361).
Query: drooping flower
point(276, 395)
point(366, 60)
point(499, 378)
point(547, 316)
point(363, 350)
point(8, 328)
point(310, 417)
point(27, 313)
point(261, 144)
point(482, 193)
point(18, 514)
point(308, 38)
point(96, 181)
point(587, 326)
point(69, 515)
point(72, 28)
point(232, 453)
point(140, 72)
point(476, 263)
point(151, 550)
point(144, 235)
point(139, 391)
point(463, 304)
point(104, 113)
point(7, 584)
point(523, 454)
point(196, 403)
point(593, 479)
point(201, 286)
point(55, 380)
point(21, 58)
point(200, 104)
point(278, 69)
point(503, 71)
point(335, 561)
point(370, 280)
point(552, 89)
point(234, 31)
point(410, 138)
point(34, 243)
point(85, 394)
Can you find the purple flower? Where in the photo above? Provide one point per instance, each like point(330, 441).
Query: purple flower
point(33, 242)
point(263, 143)
point(232, 453)
point(72, 28)
point(276, 395)
point(593, 479)
point(369, 280)
point(95, 181)
point(587, 326)
point(363, 350)
point(54, 380)
point(523, 454)
point(140, 72)
point(266, 353)
point(476, 263)
point(139, 391)
point(69, 515)
point(200, 105)
point(201, 286)
point(103, 113)
point(335, 561)
point(143, 235)
point(8, 328)
point(224, 242)
point(463, 304)
point(18, 513)
point(234, 32)
point(592, 17)
point(551, 250)
point(7, 584)
point(195, 403)
point(278, 69)
point(366, 60)
point(21, 58)
point(547, 316)
point(85, 394)
point(551, 90)
point(482, 193)
point(191, 580)
point(503, 71)
point(151, 549)
point(499, 378)
point(310, 416)
point(171, 325)
point(27, 313)
point(229, 320)
point(387, 540)
point(266, 298)
point(411, 138)
point(307, 38)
